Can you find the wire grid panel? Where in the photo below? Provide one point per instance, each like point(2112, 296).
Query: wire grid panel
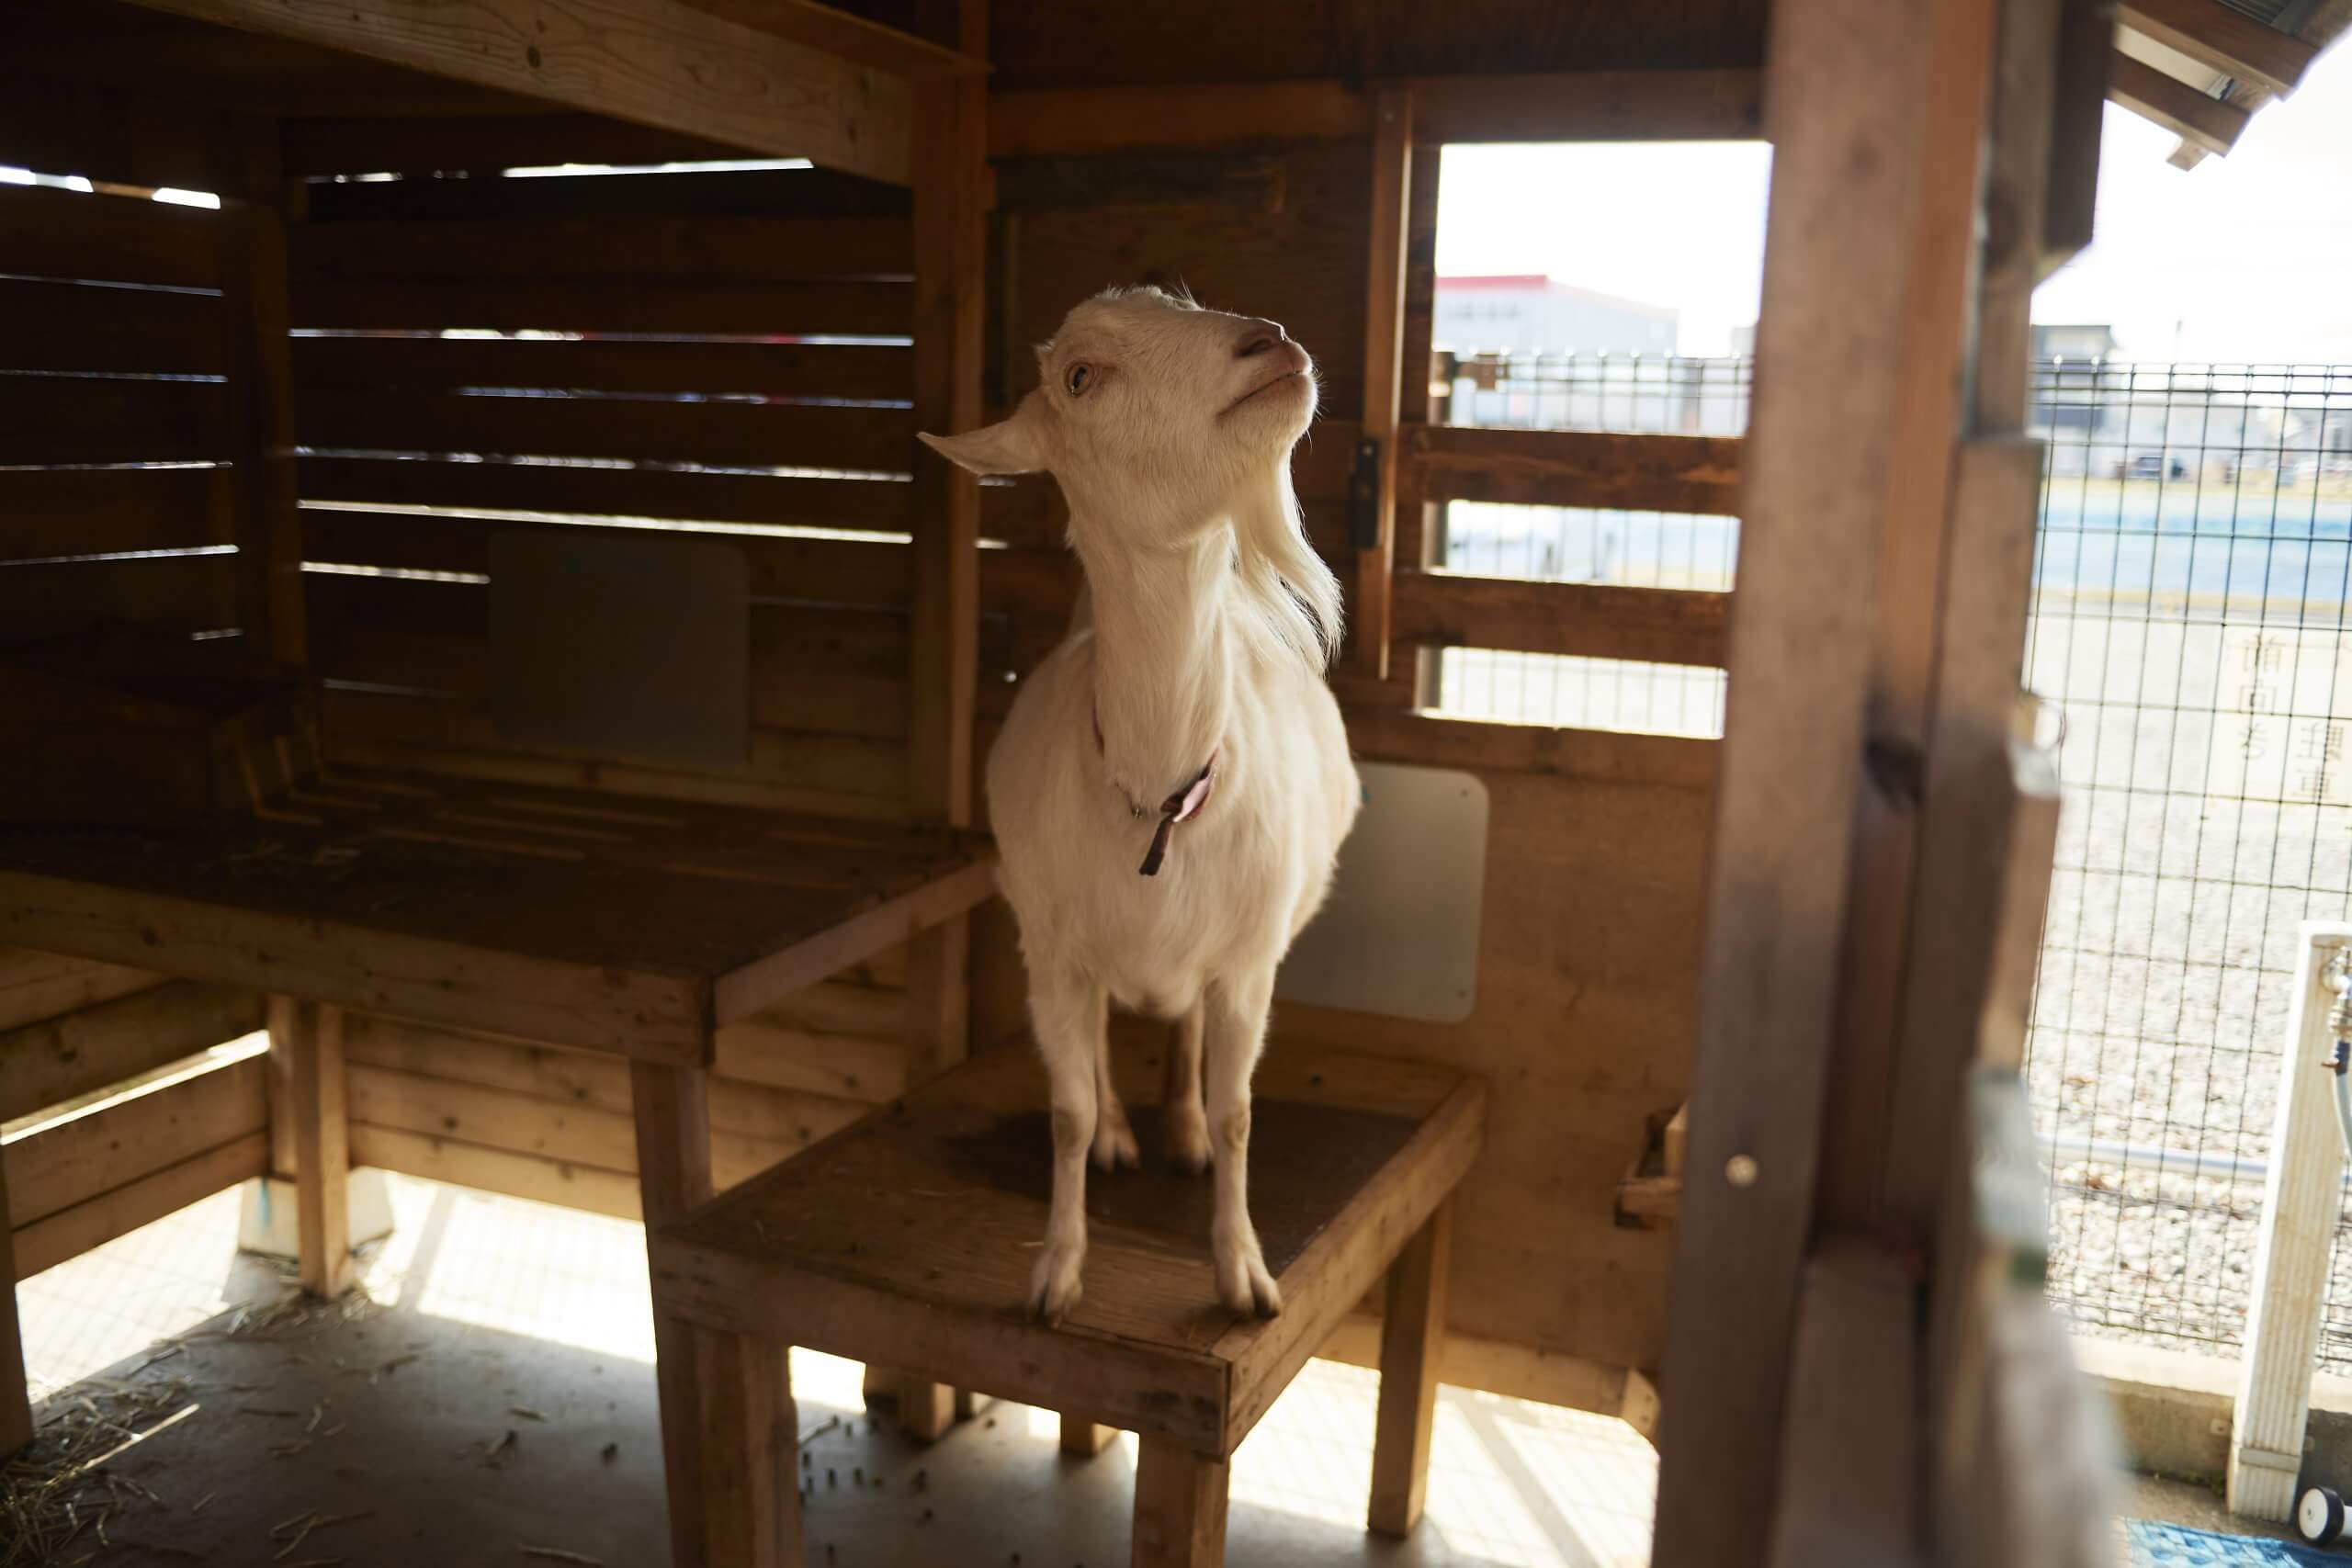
point(1613, 393)
point(2188, 622)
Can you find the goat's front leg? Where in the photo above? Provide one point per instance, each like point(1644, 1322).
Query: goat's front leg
point(1237, 1032)
point(1071, 1013)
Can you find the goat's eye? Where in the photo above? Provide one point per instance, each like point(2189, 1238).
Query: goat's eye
point(1079, 379)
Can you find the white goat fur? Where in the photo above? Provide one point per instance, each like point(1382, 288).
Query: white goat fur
point(1210, 625)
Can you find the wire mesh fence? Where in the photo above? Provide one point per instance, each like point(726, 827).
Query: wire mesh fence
point(2189, 630)
point(2188, 622)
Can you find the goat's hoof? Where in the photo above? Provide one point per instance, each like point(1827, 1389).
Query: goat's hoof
point(1188, 1146)
point(1055, 1287)
point(1245, 1286)
point(1114, 1144)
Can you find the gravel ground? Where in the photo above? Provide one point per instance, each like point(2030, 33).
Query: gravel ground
point(2205, 817)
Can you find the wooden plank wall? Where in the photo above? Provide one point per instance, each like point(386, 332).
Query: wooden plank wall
point(1587, 1005)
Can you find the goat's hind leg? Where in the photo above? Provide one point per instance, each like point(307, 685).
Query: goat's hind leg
point(1070, 1014)
point(1237, 1032)
point(1183, 1122)
point(1114, 1139)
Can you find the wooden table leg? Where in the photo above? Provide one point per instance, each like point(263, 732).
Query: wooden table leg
point(1180, 1507)
point(1084, 1439)
point(672, 1114)
point(925, 1409)
point(15, 1411)
point(750, 1494)
point(306, 1047)
point(1412, 1331)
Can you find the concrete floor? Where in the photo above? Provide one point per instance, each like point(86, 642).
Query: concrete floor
point(485, 1316)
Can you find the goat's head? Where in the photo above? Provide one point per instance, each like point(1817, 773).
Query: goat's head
point(1152, 412)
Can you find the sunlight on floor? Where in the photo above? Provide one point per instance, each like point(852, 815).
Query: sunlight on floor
point(1512, 1484)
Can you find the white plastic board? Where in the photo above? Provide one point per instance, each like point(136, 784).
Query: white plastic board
point(1399, 935)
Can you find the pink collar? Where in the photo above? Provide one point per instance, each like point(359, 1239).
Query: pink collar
point(1181, 807)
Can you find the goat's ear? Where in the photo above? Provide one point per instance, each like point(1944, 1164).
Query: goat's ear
point(1008, 447)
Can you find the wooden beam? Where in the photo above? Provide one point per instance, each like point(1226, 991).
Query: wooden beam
point(16, 1409)
point(2195, 117)
point(1384, 339)
point(1850, 1483)
point(846, 36)
point(1595, 105)
point(1564, 468)
point(672, 1116)
point(1656, 625)
point(658, 62)
point(47, 1242)
point(1874, 118)
point(1180, 1507)
point(2229, 42)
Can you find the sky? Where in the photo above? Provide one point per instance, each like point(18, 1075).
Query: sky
point(2247, 257)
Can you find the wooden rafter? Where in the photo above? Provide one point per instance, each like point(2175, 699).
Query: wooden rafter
point(2231, 43)
point(2196, 117)
point(658, 62)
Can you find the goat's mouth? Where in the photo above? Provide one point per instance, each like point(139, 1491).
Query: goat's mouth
point(1284, 379)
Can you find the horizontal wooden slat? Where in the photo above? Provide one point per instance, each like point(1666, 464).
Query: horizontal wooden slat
point(832, 774)
point(772, 309)
point(60, 1059)
point(96, 327)
point(854, 1068)
point(677, 252)
point(426, 144)
point(47, 512)
point(818, 570)
point(63, 124)
point(873, 372)
point(878, 505)
point(189, 593)
point(753, 1108)
point(1659, 625)
point(45, 232)
point(1602, 756)
point(740, 434)
point(73, 1162)
point(34, 987)
point(750, 193)
point(396, 1149)
point(72, 1232)
point(660, 63)
point(570, 1134)
point(82, 419)
point(1561, 467)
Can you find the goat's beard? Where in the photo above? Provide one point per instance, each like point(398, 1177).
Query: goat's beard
point(1281, 573)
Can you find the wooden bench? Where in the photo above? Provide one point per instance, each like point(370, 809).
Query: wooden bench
point(908, 1240)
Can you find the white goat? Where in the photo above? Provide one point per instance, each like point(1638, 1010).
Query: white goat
point(1194, 696)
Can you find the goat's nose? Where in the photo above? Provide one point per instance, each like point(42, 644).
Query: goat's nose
point(1259, 336)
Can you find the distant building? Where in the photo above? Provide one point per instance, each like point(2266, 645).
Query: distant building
point(2055, 341)
point(1530, 313)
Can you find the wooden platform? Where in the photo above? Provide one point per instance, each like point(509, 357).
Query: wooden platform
point(561, 916)
point(908, 1240)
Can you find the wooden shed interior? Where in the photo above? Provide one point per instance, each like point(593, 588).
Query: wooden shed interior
point(318, 506)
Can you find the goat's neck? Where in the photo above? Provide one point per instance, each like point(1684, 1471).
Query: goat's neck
point(1163, 658)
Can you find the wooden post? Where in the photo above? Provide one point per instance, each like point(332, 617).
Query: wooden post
point(950, 179)
point(2299, 1201)
point(1082, 1438)
point(266, 522)
point(1384, 356)
point(1876, 115)
point(1180, 1507)
point(16, 1410)
point(671, 1109)
point(751, 1493)
point(1412, 1338)
point(306, 1049)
